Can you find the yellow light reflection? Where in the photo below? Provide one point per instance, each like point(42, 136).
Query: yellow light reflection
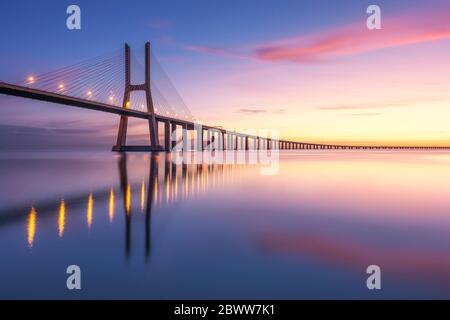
point(90, 210)
point(128, 199)
point(142, 195)
point(61, 218)
point(111, 205)
point(31, 227)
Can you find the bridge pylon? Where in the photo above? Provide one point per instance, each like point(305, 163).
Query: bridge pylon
point(120, 145)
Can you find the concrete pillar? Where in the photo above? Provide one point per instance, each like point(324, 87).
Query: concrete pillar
point(209, 145)
point(199, 131)
point(203, 140)
point(167, 136)
point(246, 142)
point(229, 141)
point(174, 134)
point(221, 141)
point(185, 138)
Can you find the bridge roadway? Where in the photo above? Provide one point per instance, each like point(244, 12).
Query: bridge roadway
point(36, 94)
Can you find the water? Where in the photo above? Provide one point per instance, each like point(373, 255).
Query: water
point(140, 227)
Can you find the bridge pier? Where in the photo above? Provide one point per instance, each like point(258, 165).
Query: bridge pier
point(229, 143)
point(209, 141)
point(185, 137)
point(120, 145)
point(167, 136)
point(173, 134)
point(221, 141)
point(199, 137)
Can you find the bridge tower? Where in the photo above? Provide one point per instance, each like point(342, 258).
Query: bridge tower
point(152, 123)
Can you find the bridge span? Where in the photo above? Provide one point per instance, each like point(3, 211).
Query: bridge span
point(216, 138)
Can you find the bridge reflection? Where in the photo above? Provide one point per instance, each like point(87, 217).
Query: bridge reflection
point(164, 184)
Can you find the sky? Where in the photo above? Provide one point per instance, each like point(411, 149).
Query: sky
point(308, 68)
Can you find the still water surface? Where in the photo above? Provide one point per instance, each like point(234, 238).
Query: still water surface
point(142, 227)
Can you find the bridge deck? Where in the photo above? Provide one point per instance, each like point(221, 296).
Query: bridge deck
point(36, 94)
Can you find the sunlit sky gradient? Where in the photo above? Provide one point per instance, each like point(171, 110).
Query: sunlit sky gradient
point(308, 68)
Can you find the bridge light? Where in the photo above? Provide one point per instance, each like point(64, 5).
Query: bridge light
point(111, 98)
point(30, 79)
point(156, 109)
point(89, 93)
point(142, 106)
point(127, 104)
point(167, 112)
point(61, 87)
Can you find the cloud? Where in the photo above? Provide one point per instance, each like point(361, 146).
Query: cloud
point(347, 40)
point(259, 111)
point(382, 104)
point(366, 106)
point(356, 38)
point(280, 111)
point(252, 111)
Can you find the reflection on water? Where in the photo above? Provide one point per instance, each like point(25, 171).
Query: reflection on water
point(111, 205)
point(90, 209)
point(162, 230)
point(31, 227)
point(61, 218)
point(171, 191)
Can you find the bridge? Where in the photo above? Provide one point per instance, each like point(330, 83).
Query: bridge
point(102, 83)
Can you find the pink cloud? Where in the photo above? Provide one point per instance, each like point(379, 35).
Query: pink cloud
point(352, 39)
point(356, 38)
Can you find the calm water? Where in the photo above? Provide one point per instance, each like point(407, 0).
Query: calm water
point(141, 227)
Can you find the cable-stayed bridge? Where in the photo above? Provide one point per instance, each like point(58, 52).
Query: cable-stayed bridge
point(106, 83)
